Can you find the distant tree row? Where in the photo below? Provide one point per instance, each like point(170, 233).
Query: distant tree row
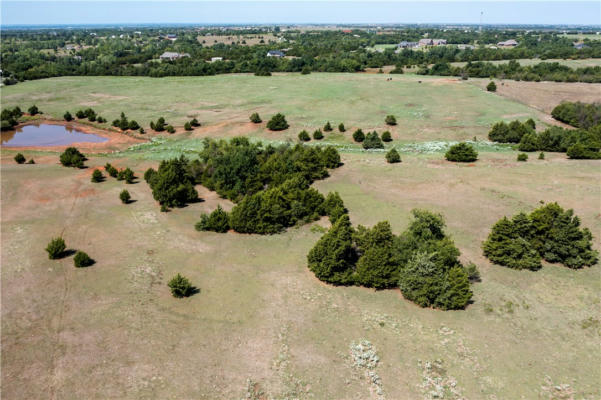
point(422, 261)
point(548, 233)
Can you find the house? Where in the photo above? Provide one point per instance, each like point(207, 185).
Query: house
point(425, 42)
point(580, 46)
point(213, 59)
point(169, 55)
point(508, 43)
point(407, 45)
point(465, 47)
point(171, 36)
point(439, 42)
point(275, 53)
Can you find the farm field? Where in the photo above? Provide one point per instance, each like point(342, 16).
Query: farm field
point(262, 326)
point(436, 109)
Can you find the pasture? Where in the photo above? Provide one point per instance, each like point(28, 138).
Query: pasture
point(262, 326)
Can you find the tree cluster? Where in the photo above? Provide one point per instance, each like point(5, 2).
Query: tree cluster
point(422, 261)
point(577, 143)
point(579, 115)
point(511, 133)
point(548, 233)
point(172, 184)
point(71, 157)
point(124, 124)
point(10, 118)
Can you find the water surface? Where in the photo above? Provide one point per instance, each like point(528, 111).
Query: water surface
point(47, 135)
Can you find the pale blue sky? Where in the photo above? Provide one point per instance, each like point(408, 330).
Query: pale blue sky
point(289, 11)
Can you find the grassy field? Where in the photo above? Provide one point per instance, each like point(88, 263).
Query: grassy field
point(581, 36)
point(585, 62)
point(262, 326)
point(223, 103)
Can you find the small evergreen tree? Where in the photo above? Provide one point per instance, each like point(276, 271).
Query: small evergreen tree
point(170, 129)
point(31, 161)
point(541, 156)
point(82, 260)
point(327, 127)
point(358, 136)
point(133, 125)
point(128, 175)
point(142, 131)
point(187, 126)
point(194, 122)
point(341, 127)
point(386, 137)
point(491, 87)
point(124, 196)
point(255, 119)
point(33, 110)
point(334, 207)
point(68, 117)
point(217, 221)
point(71, 157)
point(20, 158)
point(378, 264)
point(461, 152)
point(317, 135)
point(522, 157)
point(393, 156)
point(56, 248)
point(277, 123)
point(372, 141)
point(303, 136)
point(390, 120)
point(97, 176)
point(80, 114)
point(529, 142)
point(180, 286)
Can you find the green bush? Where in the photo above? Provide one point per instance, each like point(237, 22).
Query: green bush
point(255, 119)
point(330, 158)
point(306, 70)
point(579, 151)
point(277, 123)
point(317, 135)
point(509, 133)
point(522, 157)
point(20, 158)
point(334, 207)
point(473, 274)
point(10, 118)
point(67, 116)
point(332, 258)
point(372, 141)
point(180, 286)
point(393, 156)
point(173, 185)
point(327, 127)
point(378, 264)
point(133, 125)
point(194, 122)
point(124, 196)
point(217, 221)
point(56, 248)
point(491, 87)
point(97, 176)
point(71, 157)
point(142, 131)
point(81, 260)
point(148, 174)
point(386, 137)
point(187, 126)
point(80, 114)
point(358, 136)
point(303, 136)
point(541, 156)
point(548, 232)
point(580, 115)
point(33, 110)
point(341, 127)
point(170, 129)
point(31, 161)
point(461, 152)
point(529, 142)
point(159, 125)
point(390, 120)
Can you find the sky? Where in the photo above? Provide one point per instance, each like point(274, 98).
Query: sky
point(20, 12)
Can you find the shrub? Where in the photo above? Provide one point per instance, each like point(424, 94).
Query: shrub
point(277, 123)
point(255, 119)
point(170, 129)
point(330, 158)
point(91, 114)
point(386, 137)
point(262, 72)
point(128, 175)
point(579, 152)
point(56, 248)
point(334, 207)
point(461, 152)
point(327, 127)
point(67, 116)
point(80, 114)
point(522, 157)
point(541, 156)
point(10, 118)
point(121, 175)
point(133, 125)
point(473, 274)
point(530, 123)
point(306, 70)
point(124, 196)
point(491, 87)
point(372, 141)
point(180, 286)
point(172, 185)
point(81, 260)
point(317, 135)
point(187, 126)
point(148, 174)
point(580, 115)
point(217, 221)
point(332, 257)
point(303, 136)
point(159, 125)
point(31, 161)
point(378, 264)
point(142, 131)
point(512, 133)
point(33, 110)
point(529, 142)
point(20, 158)
point(358, 136)
point(393, 156)
point(112, 171)
point(390, 120)
point(100, 120)
point(97, 176)
point(71, 157)
point(194, 122)
point(341, 127)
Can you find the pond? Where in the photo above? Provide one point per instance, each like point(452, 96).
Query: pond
point(47, 135)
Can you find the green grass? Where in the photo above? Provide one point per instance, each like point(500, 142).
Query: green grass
point(436, 109)
point(581, 63)
point(581, 36)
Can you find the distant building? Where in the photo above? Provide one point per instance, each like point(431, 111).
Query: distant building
point(407, 45)
point(171, 37)
point(431, 42)
point(439, 42)
point(580, 46)
point(508, 43)
point(465, 46)
point(275, 53)
point(213, 59)
point(169, 55)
